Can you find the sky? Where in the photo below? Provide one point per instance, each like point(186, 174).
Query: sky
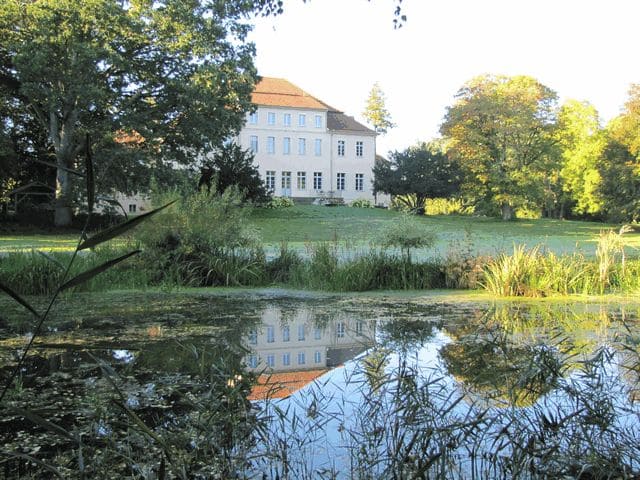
point(337, 49)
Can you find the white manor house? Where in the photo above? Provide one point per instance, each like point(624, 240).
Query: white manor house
point(306, 149)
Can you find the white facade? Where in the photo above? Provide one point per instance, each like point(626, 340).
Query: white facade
point(310, 151)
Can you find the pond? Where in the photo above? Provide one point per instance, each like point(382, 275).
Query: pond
point(275, 384)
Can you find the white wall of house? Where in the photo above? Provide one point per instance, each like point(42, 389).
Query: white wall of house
point(315, 163)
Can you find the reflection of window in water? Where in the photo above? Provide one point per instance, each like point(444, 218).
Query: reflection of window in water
point(271, 360)
point(285, 333)
point(286, 359)
point(359, 327)
point(253, 361)
point(253, 337)
point(317, 333)
point(300, 358)
point(300, 333)
point(340, 329)
point(271, 334)
point(318, 357)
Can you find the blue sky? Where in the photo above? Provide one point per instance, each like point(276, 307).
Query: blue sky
point(337, 49)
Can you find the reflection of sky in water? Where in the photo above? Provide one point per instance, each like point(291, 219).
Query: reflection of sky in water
point(125, 356)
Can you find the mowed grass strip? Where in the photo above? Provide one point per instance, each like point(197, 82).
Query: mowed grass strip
point(360, 226)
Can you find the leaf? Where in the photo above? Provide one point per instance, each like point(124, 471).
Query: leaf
point(89, 274)
point(35, 460)
point(55, 165)
point(91, 189)
point(18, 299)
point(38, 420)
point(117, 230)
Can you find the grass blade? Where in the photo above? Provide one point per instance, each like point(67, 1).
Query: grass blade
point(38, 420)
point(37, 461)
point(89, 274)
point(91, 189)
point(51, 259)
point(18, 299)
point(117, 230)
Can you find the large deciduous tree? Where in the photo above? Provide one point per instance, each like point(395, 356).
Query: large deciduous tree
point(420, 172)
point(501, 131)
point(376, 112)
point(620, 163)
point(582, 141)
point(166, 79)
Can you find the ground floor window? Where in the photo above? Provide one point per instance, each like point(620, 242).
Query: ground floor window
point(360, 182)
point(317, 180)
point(302, 180)
point(340, 180)
point(270, 180)
point(286, 180)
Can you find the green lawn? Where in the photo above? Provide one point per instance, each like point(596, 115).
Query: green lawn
point(358, 226)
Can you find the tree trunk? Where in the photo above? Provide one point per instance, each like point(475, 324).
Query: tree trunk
point(507, 212)
point(63, 214)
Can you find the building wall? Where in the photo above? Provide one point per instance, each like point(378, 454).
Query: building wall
point(327, 162)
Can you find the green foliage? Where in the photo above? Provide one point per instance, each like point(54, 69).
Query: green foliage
point(376, 112)
point(361, 203)
point(233, 166)
point(72, 64)
point(280, 202)
point(406, 234)
point(416, 174)
point(501, 130)
point(447, 206)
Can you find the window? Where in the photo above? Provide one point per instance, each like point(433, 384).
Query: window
point(271, 145)
point(132, 208)
point(271, 360)
point(340, 177)
point(359, 149)
point(359, 327)
point(302, 180)
point(270, 180)
point(286, 359)
point(271, 118)
point(318, 147)
point(317, 333)
point(317, 180)
point(302, 146)
point(318, 121)
point(300, 358)
point(341, 148)
point(302, 120)
point(340, 329)
point(254, 143)
point(253, 118)
point(271, 333)
point(300, 333)
point(317, 357)
point(287, 120)
point(286, 180)
point(252, 361)
point(253, 337)
point(360, 182)
point(286, 146)
point(285, 333)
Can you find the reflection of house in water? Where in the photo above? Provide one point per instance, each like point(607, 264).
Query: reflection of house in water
point(292, 349)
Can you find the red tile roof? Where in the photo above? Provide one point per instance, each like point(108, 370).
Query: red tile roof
point(277, 92)
point(281, 385)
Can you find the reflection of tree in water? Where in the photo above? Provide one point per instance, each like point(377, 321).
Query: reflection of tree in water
point(406, 334)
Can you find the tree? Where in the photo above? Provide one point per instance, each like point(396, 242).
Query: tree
point(376, 112)
point(582, 141)
point(231, 165)
point(620, 163)
point(420, 172)
point(501, 131)
point(177, 76)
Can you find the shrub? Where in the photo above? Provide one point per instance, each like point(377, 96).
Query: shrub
point(406, 234)
point(361, 203)
point(280, 202)
point(282, 268)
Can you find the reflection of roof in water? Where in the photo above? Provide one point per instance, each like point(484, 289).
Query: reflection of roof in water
point(281, 385)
